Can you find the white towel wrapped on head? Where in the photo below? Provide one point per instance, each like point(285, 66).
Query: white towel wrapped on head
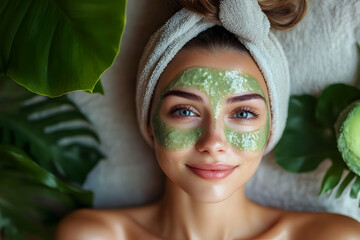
point(250, 25)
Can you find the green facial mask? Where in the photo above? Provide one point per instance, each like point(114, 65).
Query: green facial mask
point(217, 84)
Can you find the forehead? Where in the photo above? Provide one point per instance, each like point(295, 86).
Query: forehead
point(227, 59)
point(216, 83)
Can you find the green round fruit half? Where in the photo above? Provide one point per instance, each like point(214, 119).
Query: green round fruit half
point(348, 140)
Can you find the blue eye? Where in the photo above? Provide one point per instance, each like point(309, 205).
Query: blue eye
point(184, 113)
point(244, 114)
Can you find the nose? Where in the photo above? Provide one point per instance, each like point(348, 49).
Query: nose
point(212, 140)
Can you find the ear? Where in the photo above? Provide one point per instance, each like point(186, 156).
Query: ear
point(150, 130)
point(151, 134)
point(270, 134)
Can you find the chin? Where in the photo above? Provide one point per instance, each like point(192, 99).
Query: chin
point(210, 192)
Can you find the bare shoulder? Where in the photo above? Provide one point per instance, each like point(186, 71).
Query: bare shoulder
point(87, 224)
point(335, 226)
point(324, 226)
point(93, 224)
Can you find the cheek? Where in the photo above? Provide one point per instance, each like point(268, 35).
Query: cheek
point(174, 139)
point(171, 162)
point(253, 141)
point(163, 158)
point(248, 166)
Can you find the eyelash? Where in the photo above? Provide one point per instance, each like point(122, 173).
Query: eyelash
point(181, 107)
point(245, 109)
point(191, 109)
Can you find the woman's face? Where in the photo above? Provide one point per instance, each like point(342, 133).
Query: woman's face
point(210, 121)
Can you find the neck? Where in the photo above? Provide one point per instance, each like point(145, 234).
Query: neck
point(186, 218)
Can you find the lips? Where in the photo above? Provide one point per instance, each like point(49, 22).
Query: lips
point(211, 171)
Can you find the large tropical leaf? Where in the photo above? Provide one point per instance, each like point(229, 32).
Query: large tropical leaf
point(53, 132)
point(310, 137)
point(56, 46)
point(333, 100)
point(32, 200)
point(303, 146)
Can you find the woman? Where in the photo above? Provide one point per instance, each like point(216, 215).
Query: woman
point(218, 102)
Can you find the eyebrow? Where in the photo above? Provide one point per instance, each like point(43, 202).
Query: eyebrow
point(182, 94)
point(245, 97)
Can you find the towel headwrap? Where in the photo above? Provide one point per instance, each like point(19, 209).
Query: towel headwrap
point(245, 19)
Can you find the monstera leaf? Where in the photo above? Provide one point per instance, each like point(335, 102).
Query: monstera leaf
point(310, 137)
point(32, 200)
point(53, 132)
point(52, 47)
point(301, 127)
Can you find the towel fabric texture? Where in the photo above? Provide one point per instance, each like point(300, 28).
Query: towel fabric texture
point(321, 50)
point(243, 18)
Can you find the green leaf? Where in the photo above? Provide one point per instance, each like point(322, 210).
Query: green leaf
point(42, 127)
point(333, 100)
point(52, 47)
point(345, 183)
point(355, 188)
point(305, 143)
point(98, 88)
point(33, 200)
point(331, 178)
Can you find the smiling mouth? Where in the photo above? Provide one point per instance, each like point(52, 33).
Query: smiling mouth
point(212, 171)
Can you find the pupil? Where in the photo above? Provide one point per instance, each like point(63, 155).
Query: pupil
point(242, 114)
point(185, 112)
